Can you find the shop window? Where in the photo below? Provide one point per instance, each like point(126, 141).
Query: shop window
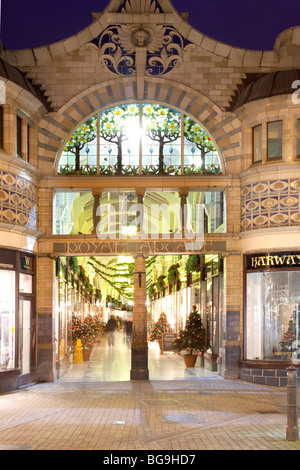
point(274, 139)
point(273, 315)
point(257, 144)
point(7, 320)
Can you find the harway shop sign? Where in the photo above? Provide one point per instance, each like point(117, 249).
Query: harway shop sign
point(273, 260)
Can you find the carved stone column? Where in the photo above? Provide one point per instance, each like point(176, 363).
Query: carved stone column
point(139, 350)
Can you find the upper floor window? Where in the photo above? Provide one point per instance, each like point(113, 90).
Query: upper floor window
point(257, 144)
point(204, 212)
point(140, 139)
point(19, 136)
point(275, 139)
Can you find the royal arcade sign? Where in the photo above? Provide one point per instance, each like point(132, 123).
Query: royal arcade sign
point(274, 260)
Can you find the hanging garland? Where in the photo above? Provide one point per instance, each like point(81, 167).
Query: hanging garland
point(173, 273)
point(160, 282)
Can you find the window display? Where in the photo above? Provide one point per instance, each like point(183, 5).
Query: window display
point(273, 314)
point(7, 320)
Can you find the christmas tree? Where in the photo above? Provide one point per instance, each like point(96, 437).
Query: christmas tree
point(91, 330)
point(290, 339)
point(192, 337)
point(150, 323)
point(160, 327)
point(77, 330)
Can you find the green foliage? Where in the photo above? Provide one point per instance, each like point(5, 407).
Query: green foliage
point(84, 134)
point(74, 265)
point(193, 264)
point(192, 337)
point(160, 282)
point(173, 273)
point(194, 133)
point(161, 123)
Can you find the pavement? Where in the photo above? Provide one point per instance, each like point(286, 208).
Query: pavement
point(95, 406)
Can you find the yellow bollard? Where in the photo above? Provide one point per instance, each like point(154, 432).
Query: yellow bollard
point(78, 357)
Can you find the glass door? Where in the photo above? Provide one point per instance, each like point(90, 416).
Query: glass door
point(25, 335)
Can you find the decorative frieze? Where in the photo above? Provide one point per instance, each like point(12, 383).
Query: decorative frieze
point(18, 200)
point(269, 204)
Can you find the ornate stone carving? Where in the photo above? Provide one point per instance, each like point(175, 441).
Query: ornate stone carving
point(140, 6)
point(165, 48)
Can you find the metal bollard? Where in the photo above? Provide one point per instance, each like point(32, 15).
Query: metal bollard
point(292, 430)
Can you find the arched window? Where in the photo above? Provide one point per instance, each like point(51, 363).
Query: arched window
point(143, 139)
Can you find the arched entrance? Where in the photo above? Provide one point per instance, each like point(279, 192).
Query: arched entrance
point(141, 180)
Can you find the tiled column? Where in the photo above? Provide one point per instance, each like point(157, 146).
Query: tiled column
point(139, 351)
point(45, 211)
point(232, 317)
point(45, 309)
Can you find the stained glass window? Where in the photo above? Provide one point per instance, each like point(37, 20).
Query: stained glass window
point(132, 139)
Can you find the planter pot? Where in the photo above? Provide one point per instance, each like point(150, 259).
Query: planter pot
point(160, 343)
point(190, 360)
point(86, 354)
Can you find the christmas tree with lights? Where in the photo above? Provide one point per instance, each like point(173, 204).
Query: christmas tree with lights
point(161, 326)
point(192, 337)
point(292, 336)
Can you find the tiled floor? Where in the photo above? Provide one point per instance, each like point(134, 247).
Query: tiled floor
point(96, 407)
point(113, 363)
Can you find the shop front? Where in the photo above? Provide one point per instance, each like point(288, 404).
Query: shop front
point(272, 317)
point(17, 319)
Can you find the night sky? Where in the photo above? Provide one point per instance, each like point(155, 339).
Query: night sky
point(251, 24)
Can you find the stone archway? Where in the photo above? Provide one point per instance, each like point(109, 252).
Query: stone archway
point(225, 128)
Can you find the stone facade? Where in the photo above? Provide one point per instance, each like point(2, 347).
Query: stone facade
point(80, 78)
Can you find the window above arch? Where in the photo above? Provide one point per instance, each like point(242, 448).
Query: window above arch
point(146, 139)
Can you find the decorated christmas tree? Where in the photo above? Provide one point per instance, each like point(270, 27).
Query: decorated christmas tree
point(192, 337)
point(77, 328)
point(292, 336)
point(161, 326)
point(150, 323)
point(92, 329)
